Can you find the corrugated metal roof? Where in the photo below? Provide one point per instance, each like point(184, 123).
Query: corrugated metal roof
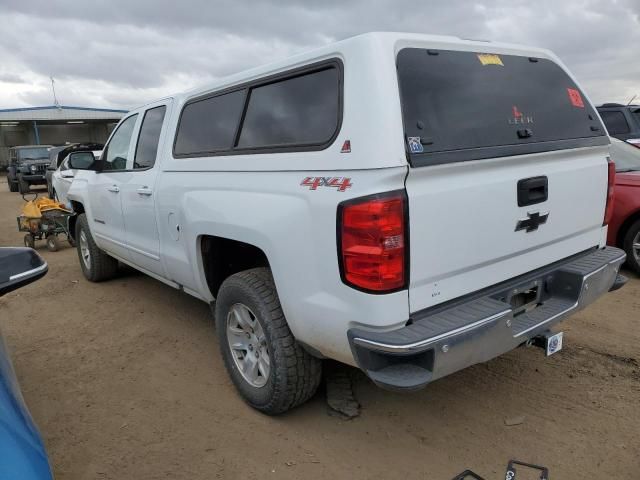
point(61, 113)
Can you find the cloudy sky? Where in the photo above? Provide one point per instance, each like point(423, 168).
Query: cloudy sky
point(114, 53)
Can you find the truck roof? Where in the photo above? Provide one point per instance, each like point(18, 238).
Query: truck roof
point(370, 43)
point(30, 146)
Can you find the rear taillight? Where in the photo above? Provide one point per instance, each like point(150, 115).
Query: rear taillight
point(634, 141)
point(608, 212)
point(372, 242)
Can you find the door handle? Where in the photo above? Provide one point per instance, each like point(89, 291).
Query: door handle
point(532, 191)
point(114, 189)
point(144, 191)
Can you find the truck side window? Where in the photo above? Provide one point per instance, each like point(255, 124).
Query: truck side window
point(302, 110)
point(209, 125)
point(147, 148)
point(116, 152)
point(615, 122)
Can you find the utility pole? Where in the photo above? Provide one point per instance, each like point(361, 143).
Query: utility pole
point(53, 88)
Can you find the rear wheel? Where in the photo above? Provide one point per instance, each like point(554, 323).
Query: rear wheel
point(272, 372)
point(13, 186)
point(96, 265)
point(632, 246)
point(53, 243)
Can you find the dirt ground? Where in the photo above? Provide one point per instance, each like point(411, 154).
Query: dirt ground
point(125, 381)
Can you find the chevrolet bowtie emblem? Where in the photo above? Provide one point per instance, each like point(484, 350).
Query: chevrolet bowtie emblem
point(532, 222)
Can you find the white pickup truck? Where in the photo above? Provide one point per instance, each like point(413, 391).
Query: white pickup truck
point(407, 204)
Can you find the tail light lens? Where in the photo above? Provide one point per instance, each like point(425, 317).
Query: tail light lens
point(373, 242)
point(608, 213)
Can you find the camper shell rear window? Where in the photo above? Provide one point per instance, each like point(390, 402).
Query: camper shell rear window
point(461, 106)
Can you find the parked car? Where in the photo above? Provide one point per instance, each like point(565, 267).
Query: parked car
point(622, 121)
point(22, 453)
point(437, 217)
point(58, 154)
point(624, 228)
point(63, 176)
point(27, 166)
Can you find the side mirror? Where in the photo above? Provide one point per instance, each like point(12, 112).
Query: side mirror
point(83, 161)
point(19, 266)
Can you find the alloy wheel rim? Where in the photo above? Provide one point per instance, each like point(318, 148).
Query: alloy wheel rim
point(636, 247)
point(248, 345)
point(84, 250)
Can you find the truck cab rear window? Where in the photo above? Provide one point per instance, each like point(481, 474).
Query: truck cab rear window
point(468, 106)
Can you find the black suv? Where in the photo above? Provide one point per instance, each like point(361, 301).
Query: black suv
point(622, 121)
point(27, 166)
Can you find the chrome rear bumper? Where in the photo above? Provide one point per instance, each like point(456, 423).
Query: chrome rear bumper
point(486, 324)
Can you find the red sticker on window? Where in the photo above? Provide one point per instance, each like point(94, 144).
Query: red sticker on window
point(575, 97)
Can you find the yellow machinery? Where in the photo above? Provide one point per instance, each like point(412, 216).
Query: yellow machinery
point(44, 218)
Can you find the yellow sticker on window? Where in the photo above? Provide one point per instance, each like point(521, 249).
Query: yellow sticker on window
point(490, 59)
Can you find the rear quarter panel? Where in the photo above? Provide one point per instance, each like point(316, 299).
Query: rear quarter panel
point(626, 206)
point(295, 227)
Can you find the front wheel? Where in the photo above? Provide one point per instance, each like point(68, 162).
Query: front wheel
point(53, 243)
point(96, 265)
point(23, 187)
point(632, 246)
point(29, 241)
point(270, 370)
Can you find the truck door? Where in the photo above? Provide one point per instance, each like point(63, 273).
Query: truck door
point(137, 193)
point(107, 222)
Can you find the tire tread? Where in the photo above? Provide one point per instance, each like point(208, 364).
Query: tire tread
point(103, 266)
point(302, 371)
point(629, 235)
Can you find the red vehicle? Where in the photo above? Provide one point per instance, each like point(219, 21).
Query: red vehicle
point(624, 227)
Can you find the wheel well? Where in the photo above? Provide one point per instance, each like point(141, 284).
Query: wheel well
point(223, 257)
point(622, 231)
point(78, 208)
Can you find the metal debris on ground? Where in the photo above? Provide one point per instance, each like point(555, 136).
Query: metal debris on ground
point(513, 421)
point(340, 397)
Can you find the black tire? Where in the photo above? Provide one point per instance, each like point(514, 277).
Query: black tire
point(100, 266)
point(13, 186)
point(629, 237)
point(29, 241)
point(294, 374)
point(53, 243)
point(23, 187)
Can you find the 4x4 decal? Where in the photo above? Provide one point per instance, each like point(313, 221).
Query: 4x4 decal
point(341, 183)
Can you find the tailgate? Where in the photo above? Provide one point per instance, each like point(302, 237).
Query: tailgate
point(463, 220)
point(508, 169)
